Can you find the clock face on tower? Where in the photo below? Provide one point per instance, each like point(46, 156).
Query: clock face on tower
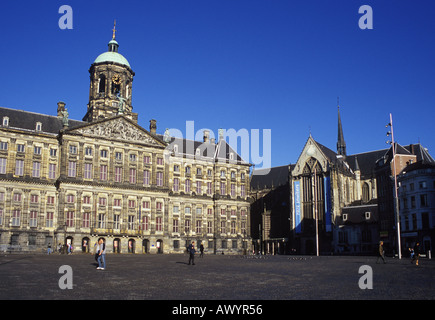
point(116, 79)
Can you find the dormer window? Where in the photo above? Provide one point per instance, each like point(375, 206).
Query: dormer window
point(5, 121)
point(38, 126)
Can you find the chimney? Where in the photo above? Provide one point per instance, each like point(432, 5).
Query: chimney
point(60, 108)
point(206, 135)
point(153, 126)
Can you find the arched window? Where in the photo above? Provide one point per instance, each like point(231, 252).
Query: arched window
point(102, 84)
point(365, 192)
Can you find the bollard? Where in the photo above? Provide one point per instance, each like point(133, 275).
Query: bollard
point(429, 255)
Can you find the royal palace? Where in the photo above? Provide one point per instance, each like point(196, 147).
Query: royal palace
point(70, 182)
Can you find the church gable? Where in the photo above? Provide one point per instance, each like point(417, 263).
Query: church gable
point(119, 129)
point(311, 150)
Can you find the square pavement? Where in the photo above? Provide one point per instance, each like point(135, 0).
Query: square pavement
point(213, 277)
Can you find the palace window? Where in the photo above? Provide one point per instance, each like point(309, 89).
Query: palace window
point(3, 146)
point(118, 174)
point(176, 186)
point(33, 219)
point(2, 165)
point(86, 200)
point(36, 171)
point(16, 215)
point(159, 179)
point(72, 169)
point(52, 171)
point(88, 151)
point(158, 223)
point(20, 148)
point(19, 167)
point(132, 176)
point(175, 225)
point(103, 172)
point(187, 186)
point(145, 223)
point(70, 219)
point(86, 219)
point(130, 224)
point(88, 171)
point(146, 178)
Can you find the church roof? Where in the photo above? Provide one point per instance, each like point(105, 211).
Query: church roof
point(270, 178)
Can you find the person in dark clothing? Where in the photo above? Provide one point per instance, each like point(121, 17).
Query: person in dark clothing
point(191, 250)
point(201, 249)
point(416, 253)
point(381, 253)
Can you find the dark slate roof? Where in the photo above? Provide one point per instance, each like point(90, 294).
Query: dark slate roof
point(366, 162)
point(419, 165)
point(26, 120)
point(356, 214)
point(219, 151)
point(270, 178)
point(417, 149)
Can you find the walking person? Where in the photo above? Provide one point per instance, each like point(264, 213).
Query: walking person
point(101, 254)
point(201, 249)
point(416, 253)
point(191, 250)
point(381, 253)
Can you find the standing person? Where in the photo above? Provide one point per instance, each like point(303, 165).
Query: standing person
point(416, 253)
point(191, 251)
point(381, 253)
point(49, 248)
point(201, 248)
point(101, 255)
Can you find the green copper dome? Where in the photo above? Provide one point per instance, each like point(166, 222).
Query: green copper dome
point(112, 55)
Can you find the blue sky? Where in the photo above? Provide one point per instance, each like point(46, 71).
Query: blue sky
point(253, 64)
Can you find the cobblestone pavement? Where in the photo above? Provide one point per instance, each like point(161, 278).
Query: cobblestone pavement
point(214, 277)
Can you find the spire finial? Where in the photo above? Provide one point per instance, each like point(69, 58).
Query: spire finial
point(114, 30)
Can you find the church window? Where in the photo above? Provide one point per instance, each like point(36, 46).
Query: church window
point(365, 192)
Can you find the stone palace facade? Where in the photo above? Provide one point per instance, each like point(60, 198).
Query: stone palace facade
point(66, 181)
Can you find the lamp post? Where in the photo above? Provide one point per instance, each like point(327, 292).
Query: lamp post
point(395, 185)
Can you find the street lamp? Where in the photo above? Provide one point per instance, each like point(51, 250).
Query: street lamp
point(395, 184)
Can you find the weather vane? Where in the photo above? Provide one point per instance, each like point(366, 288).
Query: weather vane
point(114, 30)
